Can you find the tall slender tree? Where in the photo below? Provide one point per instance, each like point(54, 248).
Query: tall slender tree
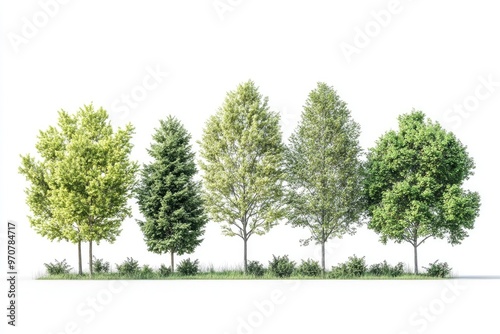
point(168, 196)
point(324, 171)
point(414, 184)
point(242, 154)
point(80, 187)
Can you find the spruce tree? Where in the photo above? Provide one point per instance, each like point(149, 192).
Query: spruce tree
point(168, 196)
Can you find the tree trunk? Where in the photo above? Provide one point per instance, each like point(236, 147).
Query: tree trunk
point(90, 257)
point(80, 271)
point(323, 256)
point(172, 260)
point(416, 259)
point(245, 255)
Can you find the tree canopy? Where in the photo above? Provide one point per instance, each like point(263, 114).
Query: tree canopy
point(242, 156)
point(80, 185)
point(414, 185)
point(167, 194)
point(323, 169)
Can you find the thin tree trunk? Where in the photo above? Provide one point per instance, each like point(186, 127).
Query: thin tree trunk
point(80, 271)
point(90, 257)
point(172, 260)
point(323, 256)
point(416, 258)
point(91, 221)
point(245, 254)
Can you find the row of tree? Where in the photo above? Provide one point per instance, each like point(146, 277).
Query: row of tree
point(408, 186)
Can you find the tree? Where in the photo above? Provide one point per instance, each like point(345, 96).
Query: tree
point(324, 172)
point(43, 220)
point(80, 186)
point(168, 197)
point(414, 184)
point(242, 155)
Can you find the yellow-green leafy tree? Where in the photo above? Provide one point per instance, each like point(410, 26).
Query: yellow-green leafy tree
point(81, 181)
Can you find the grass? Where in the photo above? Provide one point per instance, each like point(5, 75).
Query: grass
point(222, 275)
point(349, 270)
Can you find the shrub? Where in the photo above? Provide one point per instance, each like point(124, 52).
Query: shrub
point(99, 266)
point(146, 272)
point(281, 266)
point(187, 267)
point(379, 269)
point(309, 268)
point(438, 269)
point(353, 267)
point(164, 271)
point(255, 268)
point(385, 269)
point(128, 267)
point(339, 271)
point(58, 268)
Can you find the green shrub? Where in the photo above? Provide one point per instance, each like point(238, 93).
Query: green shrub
point(99, 266)
point(164, 271)
point(187, 267)
point(385, 269)
point(255, 268)
point(146, 272)
point(281, 266)
point(58, 268)
point(438, 269)
point(353, 267)
point(309, 268)
point(340, 271)
point(128, 267)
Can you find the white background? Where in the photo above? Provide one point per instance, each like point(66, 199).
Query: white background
point(431, 56)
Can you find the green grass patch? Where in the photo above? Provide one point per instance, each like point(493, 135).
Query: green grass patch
point(221, 275)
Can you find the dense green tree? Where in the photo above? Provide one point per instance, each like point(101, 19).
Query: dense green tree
point(414, 184)
point(80, 186)
point(242, 155)
point(168, 196)
point(324, 171)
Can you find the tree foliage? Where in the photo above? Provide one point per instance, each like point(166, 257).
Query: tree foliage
point(242, 154)
point(80, 186)
point(414, 184)
point(324, 171)
point(168, 196)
